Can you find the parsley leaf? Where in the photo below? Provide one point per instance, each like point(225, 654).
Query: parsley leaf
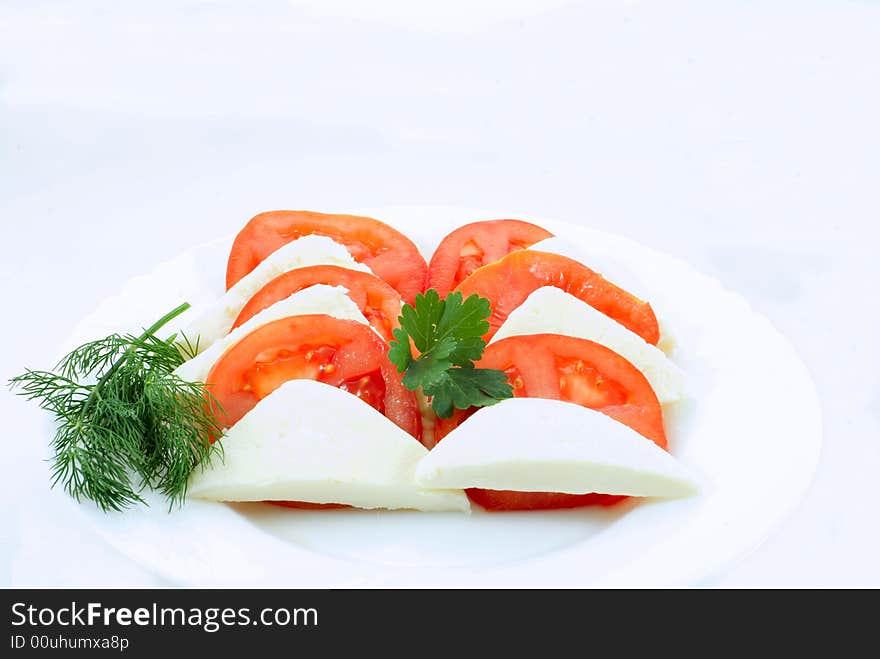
point(399, 351)
point(448, 335)
point(466, 387)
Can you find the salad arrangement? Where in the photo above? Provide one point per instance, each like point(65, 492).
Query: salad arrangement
point(504, 372)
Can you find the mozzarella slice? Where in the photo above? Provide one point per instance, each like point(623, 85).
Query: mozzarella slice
point(317, 299)
point(311, 442)
point(553, 311)
point(538, 445)
point(216, 320)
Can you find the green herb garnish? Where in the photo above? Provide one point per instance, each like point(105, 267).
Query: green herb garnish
point(137, 426)
point(448, 335)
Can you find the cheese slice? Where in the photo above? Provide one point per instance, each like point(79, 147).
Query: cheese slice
point(551, 310)
point(539, 445)
point(317, 299)
point(311, 442)
point(216, 320)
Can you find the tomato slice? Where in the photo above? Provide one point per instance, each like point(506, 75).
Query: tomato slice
point(476, 244)
point(387, 252)
point(342, 353)
point(378, 301)
point(496, 500)
point(509, 281)
point(575, 370)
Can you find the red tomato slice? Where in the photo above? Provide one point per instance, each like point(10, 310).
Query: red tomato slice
point(475, 245)
point(495, 500)
point(342, 353)
point(387, 252)
point(378, 301)
point(508, 282)
point(575, 370)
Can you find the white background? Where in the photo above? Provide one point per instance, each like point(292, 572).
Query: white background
point(743, 137)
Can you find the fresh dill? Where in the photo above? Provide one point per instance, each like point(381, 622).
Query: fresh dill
point(136, 426)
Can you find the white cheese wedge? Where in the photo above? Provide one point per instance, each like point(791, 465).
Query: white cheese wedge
point(317, 299)
point(538, 445)
point(311, 442)
point(216, 320)
point(553, 311)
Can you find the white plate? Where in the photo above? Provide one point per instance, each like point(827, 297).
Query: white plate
point(751, 428)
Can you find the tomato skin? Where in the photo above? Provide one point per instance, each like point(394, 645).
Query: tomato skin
point(476, 244)
point(388, 253)
point(376, 299)
point(509, 281)
point(540, 366)
point(342, 353)
point(498, 500)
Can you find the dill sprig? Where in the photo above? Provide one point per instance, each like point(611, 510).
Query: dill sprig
point(138, 425)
